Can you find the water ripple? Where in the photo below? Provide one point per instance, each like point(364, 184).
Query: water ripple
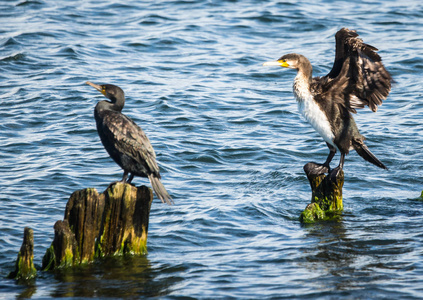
point(229, 141)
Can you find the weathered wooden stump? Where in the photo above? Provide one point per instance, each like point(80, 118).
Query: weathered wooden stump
point(124, 226)
point(326, 193)
point(63, 251)
point(24, 267)
point(95, 225)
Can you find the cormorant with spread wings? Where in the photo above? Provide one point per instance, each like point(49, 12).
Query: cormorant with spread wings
point(358, 79)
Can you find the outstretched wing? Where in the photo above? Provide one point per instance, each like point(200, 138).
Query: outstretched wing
point(358, 76)
point(128, 138)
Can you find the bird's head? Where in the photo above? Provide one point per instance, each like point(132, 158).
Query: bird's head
point(290, 61)
point(110, 91)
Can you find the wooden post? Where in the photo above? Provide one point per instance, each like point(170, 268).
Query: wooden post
point(326, 194)
point(125, 220)
point(95, 225)
point(24, 267)
point(63, 251)
point(84, 212)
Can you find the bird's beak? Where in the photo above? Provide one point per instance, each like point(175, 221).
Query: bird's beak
point(97, 87)
point(280, 63)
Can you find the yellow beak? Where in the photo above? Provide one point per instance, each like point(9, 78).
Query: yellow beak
point(280, 63)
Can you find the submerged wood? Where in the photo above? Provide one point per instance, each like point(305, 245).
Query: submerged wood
point(326, 193)
point(95, 225)
point(24, 267)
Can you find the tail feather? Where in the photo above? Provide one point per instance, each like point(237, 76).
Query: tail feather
point(160, 190)
point(365, 153)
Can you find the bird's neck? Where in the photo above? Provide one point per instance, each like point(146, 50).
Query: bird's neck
point(107, 105)
point(302, 84)
point(118, 103)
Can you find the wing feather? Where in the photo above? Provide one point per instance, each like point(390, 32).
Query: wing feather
point(358, 77)
point(127, 137)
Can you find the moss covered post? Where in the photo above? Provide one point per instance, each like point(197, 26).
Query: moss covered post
point(24, 267)
point(124, 226)
point(326, 194)
point(95, 225)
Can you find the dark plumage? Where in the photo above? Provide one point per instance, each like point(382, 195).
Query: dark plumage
point(125, 141)
point(358, 78)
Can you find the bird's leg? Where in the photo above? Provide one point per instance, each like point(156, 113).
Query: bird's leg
point(130, 178)
point(341, 161)
point(334, 173)
point(317, 169)
point(125, 175)
point(332, 151)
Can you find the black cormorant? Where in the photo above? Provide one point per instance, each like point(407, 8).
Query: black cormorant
point(358, 78)
point(125, 141)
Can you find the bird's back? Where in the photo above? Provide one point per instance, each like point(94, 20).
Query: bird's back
point(126, 143)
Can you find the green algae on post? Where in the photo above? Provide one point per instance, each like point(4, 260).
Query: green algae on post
point(63, 251)
point(24, 267)
point(125, 221)
point(96, 225)
point(84, 212)
point(326, 198)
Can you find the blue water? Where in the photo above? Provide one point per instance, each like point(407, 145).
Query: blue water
point(229, 140)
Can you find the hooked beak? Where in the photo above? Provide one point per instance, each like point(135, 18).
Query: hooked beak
point(97, 87)
point(280, 63)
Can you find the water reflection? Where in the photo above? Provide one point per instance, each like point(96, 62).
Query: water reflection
point(345, 261)
point(333, 255)
point(28, 291)
point(114, 277)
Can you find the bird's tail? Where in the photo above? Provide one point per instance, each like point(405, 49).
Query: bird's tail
point(160, 190)
point(365, 153)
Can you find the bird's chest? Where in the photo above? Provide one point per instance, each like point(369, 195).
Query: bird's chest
point(313, 114)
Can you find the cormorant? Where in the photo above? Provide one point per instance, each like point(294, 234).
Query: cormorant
point(358, 78)
point(125, 141)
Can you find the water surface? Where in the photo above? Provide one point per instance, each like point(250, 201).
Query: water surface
point(229, 140)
